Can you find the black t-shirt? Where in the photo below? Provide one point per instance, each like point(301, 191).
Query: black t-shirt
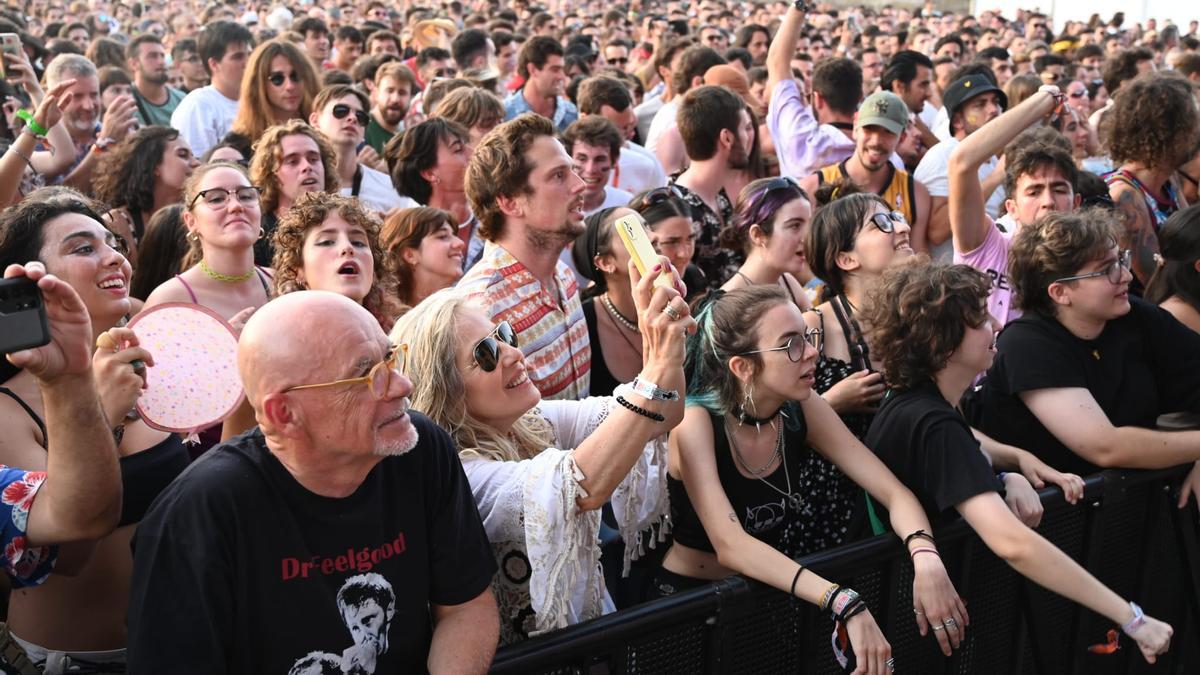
point(1142, 365)
point(240, 569)
point(926, 443)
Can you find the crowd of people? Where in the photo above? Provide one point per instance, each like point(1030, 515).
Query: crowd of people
point(928, 262)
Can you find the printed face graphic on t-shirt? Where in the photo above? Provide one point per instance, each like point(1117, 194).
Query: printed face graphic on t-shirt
point(366, 604)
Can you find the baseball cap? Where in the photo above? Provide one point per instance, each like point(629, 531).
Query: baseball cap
point(883, 109)
point(966, 88)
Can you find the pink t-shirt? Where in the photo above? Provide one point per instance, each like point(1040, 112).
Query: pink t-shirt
point(991, 258)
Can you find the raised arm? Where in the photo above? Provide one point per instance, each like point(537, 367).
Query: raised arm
point(968, 218)
point(81, 497)
point(606, 456)
point(783, 47)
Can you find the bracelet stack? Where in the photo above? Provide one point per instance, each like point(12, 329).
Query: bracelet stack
point(843, 603)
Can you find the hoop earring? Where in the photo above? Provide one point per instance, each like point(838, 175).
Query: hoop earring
point(193, 237)
point(262, 232)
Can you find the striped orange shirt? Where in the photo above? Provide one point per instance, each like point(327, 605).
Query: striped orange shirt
point(549, 323)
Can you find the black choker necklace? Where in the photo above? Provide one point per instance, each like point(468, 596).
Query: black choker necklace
point(746, 418)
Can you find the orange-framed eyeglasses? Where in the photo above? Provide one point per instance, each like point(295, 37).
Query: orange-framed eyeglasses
point(379, 379)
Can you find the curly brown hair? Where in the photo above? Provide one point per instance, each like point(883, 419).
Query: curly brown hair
point(309, 212)
point(1056, 246)
point(264, 168)
point(125, 176)
point(405, 229)
point(1153, 122)
point(499, 168)
point(918, 313)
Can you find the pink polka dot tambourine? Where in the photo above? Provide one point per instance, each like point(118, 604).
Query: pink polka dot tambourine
point(194, 383)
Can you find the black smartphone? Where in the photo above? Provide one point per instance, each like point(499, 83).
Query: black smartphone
point(23, 323)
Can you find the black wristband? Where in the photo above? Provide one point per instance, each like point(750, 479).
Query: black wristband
point(919, 534)
point(855, 608)
point(795, 579)
point(649, 414)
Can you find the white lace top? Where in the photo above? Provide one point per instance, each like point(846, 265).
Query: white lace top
point(547, 550)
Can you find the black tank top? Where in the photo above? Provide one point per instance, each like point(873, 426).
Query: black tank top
point(143, 475)
point(603, 381)
point(764, 513)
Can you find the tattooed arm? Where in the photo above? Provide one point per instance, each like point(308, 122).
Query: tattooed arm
point(1137, 231)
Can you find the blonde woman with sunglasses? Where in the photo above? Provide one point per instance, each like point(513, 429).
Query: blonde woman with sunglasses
point(541, 470)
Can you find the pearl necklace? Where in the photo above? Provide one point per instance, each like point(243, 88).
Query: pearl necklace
point(618, 315)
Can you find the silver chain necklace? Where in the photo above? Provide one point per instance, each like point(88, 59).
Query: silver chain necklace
point(780, 453)
point(618, 315)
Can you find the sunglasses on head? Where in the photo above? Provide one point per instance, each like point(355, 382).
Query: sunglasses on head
point(487, 351)
point(658, 196)
point(277, 79)
point(341, 110)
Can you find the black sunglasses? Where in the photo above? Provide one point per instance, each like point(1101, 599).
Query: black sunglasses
point(487, 350)
point(886, 222)
point(278, 78)
point(341, 110)
point(658, 196)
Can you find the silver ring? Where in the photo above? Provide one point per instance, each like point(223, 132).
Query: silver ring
point(917, 612)
point(950, 623)
point(891, 664)
point(937, 627)
point(671, 312)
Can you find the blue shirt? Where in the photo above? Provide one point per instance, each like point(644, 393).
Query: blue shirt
point(565, 112)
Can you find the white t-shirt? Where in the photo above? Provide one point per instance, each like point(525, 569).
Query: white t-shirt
point(934, 173)
point(638, 170)
point(203, 118)
point(664, 119)
point(376, 192)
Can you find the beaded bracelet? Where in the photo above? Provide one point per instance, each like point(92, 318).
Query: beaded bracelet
point(649, 414)
point(922, 534)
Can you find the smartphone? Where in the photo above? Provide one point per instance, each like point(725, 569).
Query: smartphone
point(23, 323)
point(637, 242)
point(10, 43)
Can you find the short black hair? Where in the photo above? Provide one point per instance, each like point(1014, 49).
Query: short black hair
point(992, 54)
point(467, 44)
point(839, 81)
point(903, 67)
point(740, 55)
point(216, 38)
point(348, 34)
point(536, 52)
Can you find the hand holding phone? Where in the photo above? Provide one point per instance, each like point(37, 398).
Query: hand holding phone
point(23, 323)
point(68, 353)
point(10, 43)
point(637, 242)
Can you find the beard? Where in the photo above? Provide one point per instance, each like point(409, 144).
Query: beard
point(739, 156)
point(156, 77)
point(555, 239)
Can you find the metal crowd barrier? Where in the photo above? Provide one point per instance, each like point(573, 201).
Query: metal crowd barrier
point(1127, 531)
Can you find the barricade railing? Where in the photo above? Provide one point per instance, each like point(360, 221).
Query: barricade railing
point(1126, 531)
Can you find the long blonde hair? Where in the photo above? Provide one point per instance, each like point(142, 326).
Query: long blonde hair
point(431, 331)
